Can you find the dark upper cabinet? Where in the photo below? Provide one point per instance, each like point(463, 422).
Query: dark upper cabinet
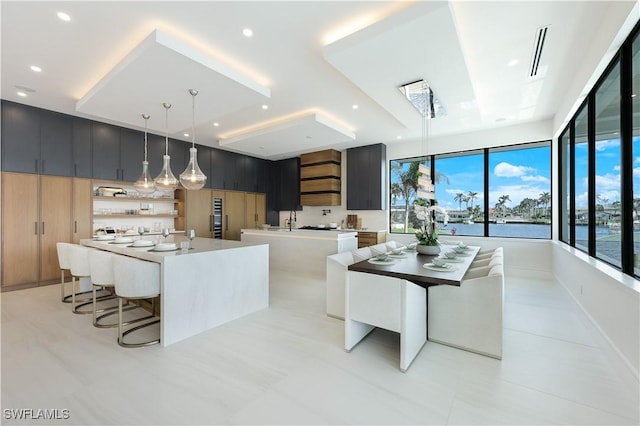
point(155, 151)
point(20, 138)
point(366, 174)
point(81, 146)
point(288, 178)
point(55, 144)
point(105, 151)
point(131, 154)
point(216, 178)
point(179, 154)
point(234, 164)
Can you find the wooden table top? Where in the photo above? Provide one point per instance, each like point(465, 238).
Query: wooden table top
point(411, 268)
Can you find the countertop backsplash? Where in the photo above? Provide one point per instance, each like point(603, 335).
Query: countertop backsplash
point(374, 220)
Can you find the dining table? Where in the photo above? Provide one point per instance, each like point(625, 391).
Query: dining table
point(393, 293)
point(417, 268)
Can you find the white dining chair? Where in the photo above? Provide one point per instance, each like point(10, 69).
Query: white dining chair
point(80, 270)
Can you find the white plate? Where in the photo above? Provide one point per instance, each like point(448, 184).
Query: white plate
point(122, 241)
point(398, 256)
point(445, 268)
point(382, 262)
point(142, 243)
point(454, 260)
point(105, 237)
point(165, 247)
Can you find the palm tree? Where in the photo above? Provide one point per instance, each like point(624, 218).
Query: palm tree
point(545, 199)
point(500, 206)
point(407, 188)
point(459, 198)
point(472, 196)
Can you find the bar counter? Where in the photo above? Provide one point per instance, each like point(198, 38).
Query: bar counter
point(214, 282)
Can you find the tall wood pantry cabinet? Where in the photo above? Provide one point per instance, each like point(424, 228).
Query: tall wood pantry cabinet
point(36, 212)
point(239, 210)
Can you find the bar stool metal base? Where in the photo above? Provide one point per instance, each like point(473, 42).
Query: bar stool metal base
point(122, 333)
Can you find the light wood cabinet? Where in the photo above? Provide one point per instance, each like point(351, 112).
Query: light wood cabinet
point(199, 211)
point(20, 229)
point(239, 210)
point(371, 238)
point(55, 212)
point(255, 210)
point(234, 214)
point(36, 212)
point(81, 208)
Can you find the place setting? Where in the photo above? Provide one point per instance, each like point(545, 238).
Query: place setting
point(438, 264)
point(451, 257)
point(397, 254)
point(382, 259)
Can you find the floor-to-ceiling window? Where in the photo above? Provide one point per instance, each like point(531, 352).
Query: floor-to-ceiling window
point(459, 181)
point(580, 177)
point(607, 168)
point(519, 200)
point(403, 191)
point(520, 191)
point(565, 189)
point(600, 165)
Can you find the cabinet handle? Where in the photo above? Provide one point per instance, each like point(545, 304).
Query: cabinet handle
point(35, 166)
point(42, 228)
point(210, 223)
point(75, 169)
point(42, 166)
point(226, 219)
point(75, 226)
point(35, 228)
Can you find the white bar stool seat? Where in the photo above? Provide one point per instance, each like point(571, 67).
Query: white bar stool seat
point(79, 265)
point(101, 266)
point(65, 265)
point(135, 279)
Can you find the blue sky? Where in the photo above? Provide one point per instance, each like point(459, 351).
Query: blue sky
point(519, 173)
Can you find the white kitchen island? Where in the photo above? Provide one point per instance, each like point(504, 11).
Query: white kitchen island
point(214, 282)
point(302, 250)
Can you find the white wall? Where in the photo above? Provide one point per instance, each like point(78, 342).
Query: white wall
point(608, 297)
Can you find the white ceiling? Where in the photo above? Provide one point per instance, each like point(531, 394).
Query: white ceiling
point(308, 61)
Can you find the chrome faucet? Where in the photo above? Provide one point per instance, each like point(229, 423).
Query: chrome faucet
point(292, 219)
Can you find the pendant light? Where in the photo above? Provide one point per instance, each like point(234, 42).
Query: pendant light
point(192, 178)
point(166, 181)
point(145, 184)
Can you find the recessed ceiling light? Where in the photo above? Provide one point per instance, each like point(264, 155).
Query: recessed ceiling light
point(633, 95)
point(216, 124)
point(354, 106)
point(21, 94)
point(25, 89)
point(35, 68)
point(64, 17)
point(512, 63)
point(265, 106)
point(247, 32)
point(398, 137)
point(186, 135)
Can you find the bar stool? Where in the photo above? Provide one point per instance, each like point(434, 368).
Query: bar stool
point(101, 267)
point(65, 265)
point(135, 279)
point(79, 265)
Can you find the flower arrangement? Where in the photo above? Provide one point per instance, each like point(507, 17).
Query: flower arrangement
point(427, 233)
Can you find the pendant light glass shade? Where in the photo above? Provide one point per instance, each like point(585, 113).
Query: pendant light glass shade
point(145, 184)
point(192, 178)
point(166, 181)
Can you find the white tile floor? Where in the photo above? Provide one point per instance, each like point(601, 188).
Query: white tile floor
point(287, 365)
